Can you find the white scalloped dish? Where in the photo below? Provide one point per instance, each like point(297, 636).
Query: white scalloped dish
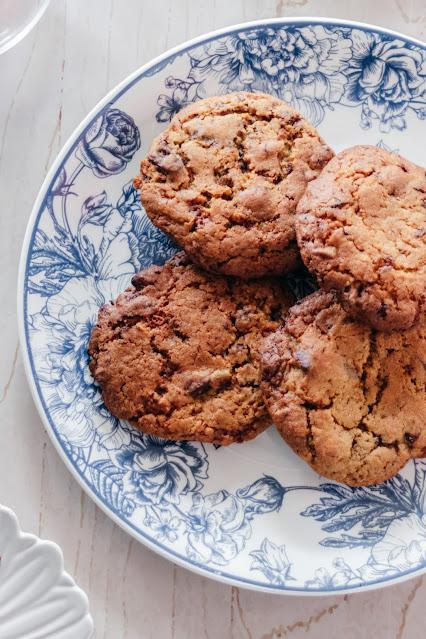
point(38, 599)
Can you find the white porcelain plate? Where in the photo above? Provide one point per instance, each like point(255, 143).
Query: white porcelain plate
point(253, 515)
point(38, 600)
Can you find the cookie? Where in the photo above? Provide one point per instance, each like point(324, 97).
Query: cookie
point(224, 178)
point(361, 228)
point(348, 399)
point(177, 353)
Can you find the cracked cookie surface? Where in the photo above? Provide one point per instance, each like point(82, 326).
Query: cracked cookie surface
point(351, 401)
point(223, 180)
point(361, 228)
point(177, 354)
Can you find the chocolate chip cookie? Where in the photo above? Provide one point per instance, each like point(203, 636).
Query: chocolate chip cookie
point(224, 178)
point(361, 228)
point(177, 353)
point(348, 399)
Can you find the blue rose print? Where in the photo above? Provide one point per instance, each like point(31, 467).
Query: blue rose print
point(388, 78)
point(158, 469)
point(265, 495)
point(109, 143)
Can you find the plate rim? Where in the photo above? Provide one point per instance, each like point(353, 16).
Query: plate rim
point(112, 96)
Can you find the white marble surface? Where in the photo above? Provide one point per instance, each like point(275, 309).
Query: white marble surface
point(48, 83)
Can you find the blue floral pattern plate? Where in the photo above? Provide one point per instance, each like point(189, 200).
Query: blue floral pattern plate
point(253, 515)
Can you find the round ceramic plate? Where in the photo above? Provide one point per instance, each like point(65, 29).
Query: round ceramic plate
point(253, 515)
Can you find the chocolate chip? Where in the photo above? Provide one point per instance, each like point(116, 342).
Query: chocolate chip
point(383, 310)
point(144, 278)
point(202, 381)
point(197, 387)
point(165, 160)
point(226, 181)
point(410, 439)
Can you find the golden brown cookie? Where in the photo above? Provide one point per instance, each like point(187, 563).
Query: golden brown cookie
point(361, 228)
point(177, 354)
point(349, 400)
point(224, 178)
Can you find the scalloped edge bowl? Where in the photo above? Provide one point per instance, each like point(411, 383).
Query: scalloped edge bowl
point(37, 597)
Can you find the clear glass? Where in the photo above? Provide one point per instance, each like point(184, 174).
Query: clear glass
point(17, 18)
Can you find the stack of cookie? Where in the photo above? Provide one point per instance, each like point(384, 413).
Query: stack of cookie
point(344, 379)
point(205, 347)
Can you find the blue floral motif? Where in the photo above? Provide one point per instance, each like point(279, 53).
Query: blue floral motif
point(116, 251)
point(164, 525)
point(273, 562)
point(370, 510)
point(341, 575)
point(108, 483)
point(158, 469)
point(62, 361)
point(183, 93)
point(402, 548)
point(149, 244)
point(387, 78)
point(382, 145)
point(109, 143)
point(263, 496)
point(219, 524)
point(109, 241)
point(303, 65)
point(217, 528)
